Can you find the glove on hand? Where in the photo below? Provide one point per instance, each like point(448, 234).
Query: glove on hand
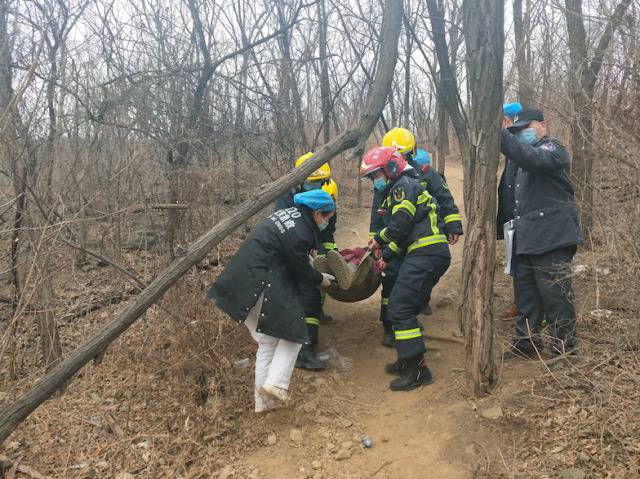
point(326, 280)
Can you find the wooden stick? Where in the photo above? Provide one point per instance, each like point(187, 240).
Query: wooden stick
point(15, 465)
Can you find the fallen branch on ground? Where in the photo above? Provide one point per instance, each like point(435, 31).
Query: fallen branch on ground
point(6, 463)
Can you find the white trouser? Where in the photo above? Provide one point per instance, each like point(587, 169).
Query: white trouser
point(275, 358)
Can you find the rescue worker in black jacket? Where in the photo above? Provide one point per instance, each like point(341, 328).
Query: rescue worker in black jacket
point(313, 298)
point(546, 234)
point(436, 185)
point(413, 245)
point(260, 288)
point(404, 141)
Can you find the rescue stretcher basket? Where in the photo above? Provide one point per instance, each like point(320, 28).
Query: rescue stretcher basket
point(354, 282)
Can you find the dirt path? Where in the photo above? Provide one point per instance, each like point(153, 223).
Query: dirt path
point(430, 432)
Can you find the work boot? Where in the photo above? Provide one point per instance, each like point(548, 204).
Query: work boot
point(340, 268)
point(388, 338)
point(509, 313)
point(426, 310)
point(524, 349)
point(413, 373)
point(394, 368)
point(307, 359)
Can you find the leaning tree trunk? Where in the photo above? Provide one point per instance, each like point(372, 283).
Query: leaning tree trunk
point(483, 31)
point(19, 410)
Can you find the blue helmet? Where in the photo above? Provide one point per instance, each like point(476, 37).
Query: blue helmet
point(511, 109)
point(422, 158)
point(315, 200)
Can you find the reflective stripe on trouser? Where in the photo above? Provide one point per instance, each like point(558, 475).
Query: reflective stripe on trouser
point(313, 329)
point(388, 280)
point(312, 305)
point(542, 289)
point(416, 277)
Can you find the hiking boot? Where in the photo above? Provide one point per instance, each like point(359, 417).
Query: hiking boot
point(307, 359)
point(426, 310)
point(394, 368)
point(413, 373)
point(509, 313)
point(274, 393)
point(524, 350)
point(320, 263)
point(341, 270)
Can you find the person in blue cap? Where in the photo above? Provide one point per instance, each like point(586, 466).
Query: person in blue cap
point(312, 298)
point(259, 287)
point(510, 110)
point(505, 192)
point(546, 229)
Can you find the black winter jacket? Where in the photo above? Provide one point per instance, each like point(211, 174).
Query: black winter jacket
point(436, 185)
point(545, 212)
point(273, 259)
point(411, 221)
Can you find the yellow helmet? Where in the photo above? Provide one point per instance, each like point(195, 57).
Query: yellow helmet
point(401, 138)
point(332, 188)
point(322, 173)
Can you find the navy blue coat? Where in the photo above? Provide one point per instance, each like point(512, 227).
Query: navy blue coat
point(274, 259)
point(544, 209)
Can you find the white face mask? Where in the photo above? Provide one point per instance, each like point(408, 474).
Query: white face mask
point(323, 226)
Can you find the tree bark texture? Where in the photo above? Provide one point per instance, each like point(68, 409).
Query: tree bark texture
point(583, 78)
point(526, 92)
point(484, 38)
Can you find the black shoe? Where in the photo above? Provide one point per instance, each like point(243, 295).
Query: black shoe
point(325, 318)
point(414, 373)
point(389, 340)
point(395, 368)
point(523, 351)
point(426, 310)
point(307, 359)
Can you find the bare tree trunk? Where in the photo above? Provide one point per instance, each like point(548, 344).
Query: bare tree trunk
point(526, 93)
point(583, 80)
point(407, 73)
point(483, 31)
point(449, 94)
point(15, 413)
point(325, 92)
point(442, 141)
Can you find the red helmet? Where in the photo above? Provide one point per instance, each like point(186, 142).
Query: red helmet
point(386, 158)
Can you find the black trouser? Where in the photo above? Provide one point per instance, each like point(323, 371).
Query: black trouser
point(312, 304)
point(542, 287)
point(416, 277)
point(388, 280)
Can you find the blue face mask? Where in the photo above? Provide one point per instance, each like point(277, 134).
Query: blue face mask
point(323, 226)
point(379, 184)
point(527, 136)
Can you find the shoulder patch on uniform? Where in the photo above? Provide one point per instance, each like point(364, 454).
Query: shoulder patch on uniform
point(398, 194)
point(549, 146)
